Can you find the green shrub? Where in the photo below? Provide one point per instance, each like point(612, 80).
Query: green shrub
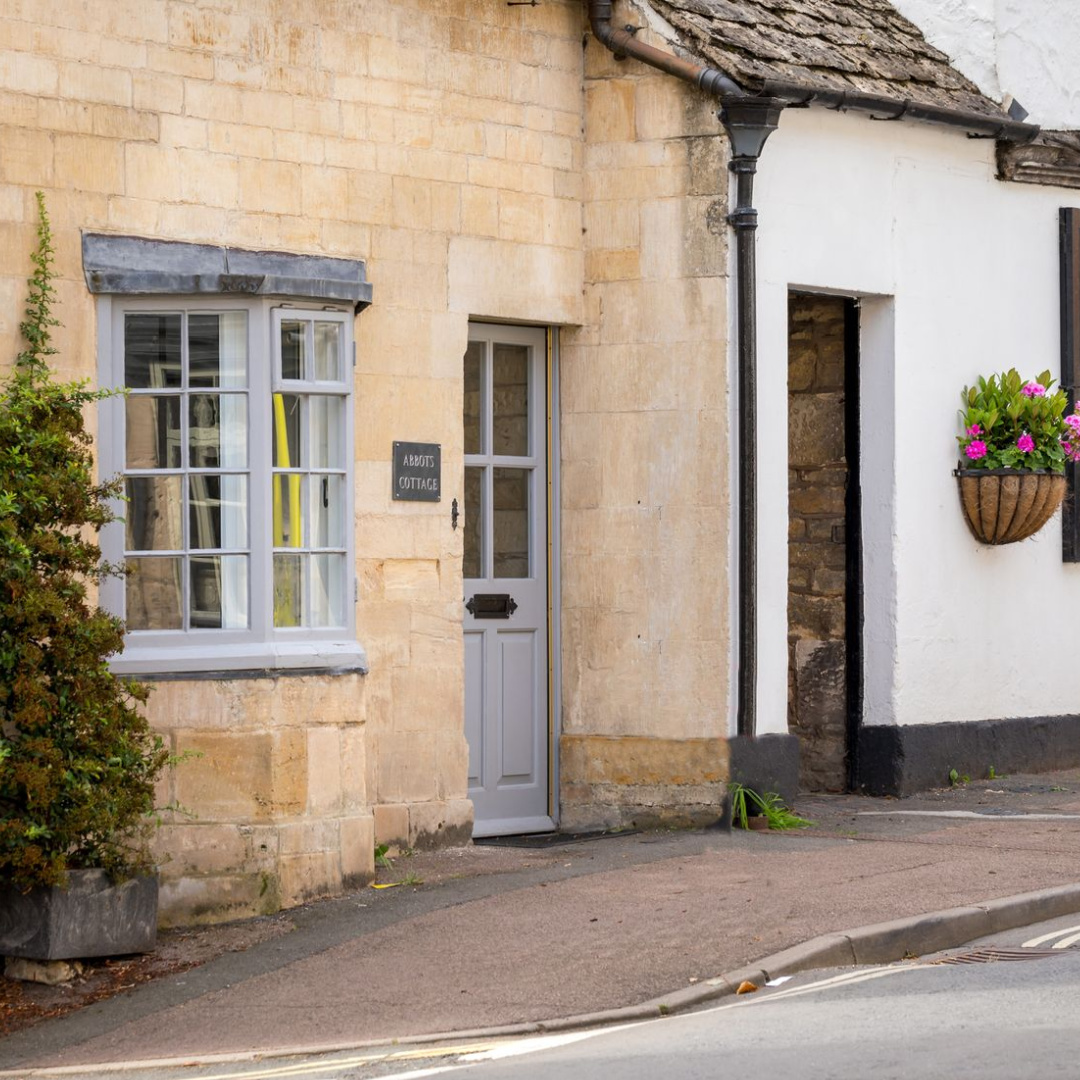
point(78, 761)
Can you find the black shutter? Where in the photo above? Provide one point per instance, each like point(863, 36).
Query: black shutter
point(1070, 366)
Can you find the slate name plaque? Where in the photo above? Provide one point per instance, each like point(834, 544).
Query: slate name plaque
point(417, 471)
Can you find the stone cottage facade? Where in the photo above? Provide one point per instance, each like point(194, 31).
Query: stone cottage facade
point(454, 166)
point(427, 316)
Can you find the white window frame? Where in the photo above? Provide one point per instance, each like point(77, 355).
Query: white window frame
point(261, 647)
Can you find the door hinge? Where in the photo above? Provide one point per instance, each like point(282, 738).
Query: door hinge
point(356, 588)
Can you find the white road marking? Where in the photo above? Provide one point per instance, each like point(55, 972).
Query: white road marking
point(969, 814)
point(849, 978)
point(468, 1054)
point(1042, 939)
point(310, 1068)
point(543, 1042)
point(418, 1074)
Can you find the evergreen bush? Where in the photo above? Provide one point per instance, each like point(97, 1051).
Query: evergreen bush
point(78, 761)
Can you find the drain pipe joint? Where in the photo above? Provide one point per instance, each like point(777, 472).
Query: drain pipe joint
point(623, 43)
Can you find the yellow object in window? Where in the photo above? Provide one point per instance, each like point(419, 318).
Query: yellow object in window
point(285, 605)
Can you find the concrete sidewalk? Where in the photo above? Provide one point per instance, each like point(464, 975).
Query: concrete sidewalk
point(503, 936)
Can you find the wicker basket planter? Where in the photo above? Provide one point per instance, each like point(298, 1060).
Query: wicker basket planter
point(1002, 506)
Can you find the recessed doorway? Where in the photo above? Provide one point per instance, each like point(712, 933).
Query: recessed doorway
point(825, 540)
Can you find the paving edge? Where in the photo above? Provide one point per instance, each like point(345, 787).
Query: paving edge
point(878, 943)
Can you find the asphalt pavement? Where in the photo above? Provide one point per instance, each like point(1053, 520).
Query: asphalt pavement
point(507, 939)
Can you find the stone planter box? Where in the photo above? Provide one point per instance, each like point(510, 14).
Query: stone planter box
point(92, 917)
point(1002, 506)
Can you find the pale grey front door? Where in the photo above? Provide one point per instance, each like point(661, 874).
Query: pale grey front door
point(506, 579)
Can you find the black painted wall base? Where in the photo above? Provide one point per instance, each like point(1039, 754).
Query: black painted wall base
point(767, 763)
point(904, 760)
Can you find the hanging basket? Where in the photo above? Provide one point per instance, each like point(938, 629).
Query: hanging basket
point(1002, 506)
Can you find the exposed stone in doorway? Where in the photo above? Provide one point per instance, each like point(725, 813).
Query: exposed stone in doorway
point(817, 485)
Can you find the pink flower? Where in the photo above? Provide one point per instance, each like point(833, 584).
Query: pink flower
point(1032, 389)
point(1025, 443)
point(976, 450)
point(976, 430)
point(1074, 422)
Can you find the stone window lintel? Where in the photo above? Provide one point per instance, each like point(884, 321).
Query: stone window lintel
point(132, 265)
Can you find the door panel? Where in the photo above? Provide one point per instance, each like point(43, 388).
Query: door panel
point(505, 570)
point(518, 662)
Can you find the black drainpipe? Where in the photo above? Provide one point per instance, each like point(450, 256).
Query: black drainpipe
point(749, 119)
point(748, 122)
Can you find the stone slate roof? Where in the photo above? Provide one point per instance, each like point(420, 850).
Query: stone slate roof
point(853, 45)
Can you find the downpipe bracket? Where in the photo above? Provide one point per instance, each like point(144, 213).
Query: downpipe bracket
point(743, 217)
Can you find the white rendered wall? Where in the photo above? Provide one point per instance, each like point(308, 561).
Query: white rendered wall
point(960, 276)
point(1026, 48)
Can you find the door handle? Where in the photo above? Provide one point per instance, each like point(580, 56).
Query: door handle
point(491, 606)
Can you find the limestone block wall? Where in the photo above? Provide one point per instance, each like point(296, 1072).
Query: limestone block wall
point(817, 489)
point(645, 463)
point(441, 143)
point(274, 771)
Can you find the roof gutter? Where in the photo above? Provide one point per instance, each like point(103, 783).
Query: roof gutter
point(886, 108)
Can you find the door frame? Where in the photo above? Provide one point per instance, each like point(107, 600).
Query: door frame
point(552, 554)
point(854, 593)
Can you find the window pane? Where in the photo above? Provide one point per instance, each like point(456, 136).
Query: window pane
point(474, 383)
point(219, 592)
point(328, 352)
point(510, 400)
point(328, 431)
point(286, 509)
point(287, 431)
point(152, 431)
point(293, 349)
point(217, 431)
point(154, 594)
point(153, 513)
point(288, 602)
point(218, 506)
point(217, 349)
point(328, 590)
point(152, 351)
point(473, 564)
point(511, 523)
point(328, 511)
